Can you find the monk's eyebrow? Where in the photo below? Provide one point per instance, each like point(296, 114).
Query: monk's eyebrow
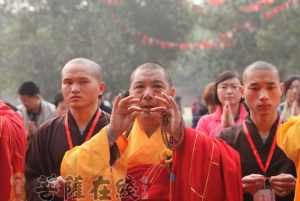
point(158, 82)
point(253, 84)
point(138, 82)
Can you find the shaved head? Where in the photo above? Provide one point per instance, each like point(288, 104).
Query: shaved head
point(94, 69)
point(82, 78)
point(259, 65)
point(153, 67)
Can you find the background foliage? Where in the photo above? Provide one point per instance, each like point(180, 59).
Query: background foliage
point(38, 36)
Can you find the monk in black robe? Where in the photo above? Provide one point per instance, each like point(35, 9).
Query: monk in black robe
point(266, 170)
point(81, 86)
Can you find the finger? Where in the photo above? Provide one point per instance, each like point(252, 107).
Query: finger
point(128, 100)
point(134, 108)
point(163, 101)
point(278, 189)
point(167, 97)
point(249, 185)
point(133, 115)
point(159, 109)
point(52, 186)
point(116, 102)
point(61, 180)
point(247, 182)
point(253, 178)
point(226, 106)
point(283, 184)
point(287, 188)
point(257, 185)
point(283, 181)
point(172, 103)
point(281, 192)
point(283, 178)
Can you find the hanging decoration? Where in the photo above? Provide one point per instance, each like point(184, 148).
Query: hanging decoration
point(223, 40)
point(215, 2)
point(113, 2)
point(256, 6)
point(268, 15)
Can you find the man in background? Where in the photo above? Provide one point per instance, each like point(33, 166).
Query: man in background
point(34, 109)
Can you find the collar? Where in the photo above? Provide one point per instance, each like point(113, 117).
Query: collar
point(255, 133)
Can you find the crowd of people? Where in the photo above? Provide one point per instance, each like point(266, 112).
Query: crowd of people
point(243, 144)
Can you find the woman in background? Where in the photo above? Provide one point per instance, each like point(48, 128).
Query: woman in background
point(291, 91)
point(229, 110)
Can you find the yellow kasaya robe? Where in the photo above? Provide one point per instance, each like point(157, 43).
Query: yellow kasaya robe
point(288, 139)
point(89, 164)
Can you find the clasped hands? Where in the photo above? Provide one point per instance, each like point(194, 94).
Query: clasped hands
point(282, 184)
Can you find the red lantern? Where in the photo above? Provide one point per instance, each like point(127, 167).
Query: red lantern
point(267, 2)
point(216, 2)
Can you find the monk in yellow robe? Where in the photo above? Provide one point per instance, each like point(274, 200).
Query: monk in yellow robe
point(145, 153)
point(288, 139)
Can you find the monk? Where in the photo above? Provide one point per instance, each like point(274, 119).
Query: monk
point(146, 153)
point(81, 84)
point(288, 140)
point(267, 172)
point(12, 154)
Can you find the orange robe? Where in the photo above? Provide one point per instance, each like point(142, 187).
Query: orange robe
point(288, 140)
point(12, 154)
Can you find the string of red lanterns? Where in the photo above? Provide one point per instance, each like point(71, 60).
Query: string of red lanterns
point(224, 40)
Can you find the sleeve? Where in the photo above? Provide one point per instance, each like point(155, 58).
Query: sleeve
point(288, 138)
point(230, 135)
point(95, 151)
point(15, 143)
point(232, 172)
point(34, 165)
point(18, 146)
point(12, 153)
point(202, 125)
point(18, 149)
point(101, 139)
point(90, 162)
point(5, 168)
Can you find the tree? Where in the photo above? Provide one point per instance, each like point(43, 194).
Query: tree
point(42, 35)
point(254, 37)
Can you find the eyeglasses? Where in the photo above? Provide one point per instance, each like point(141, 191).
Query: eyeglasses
point(225, 87)
point(292, 87)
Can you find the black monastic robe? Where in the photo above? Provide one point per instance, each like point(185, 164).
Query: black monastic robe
point(235, 136)
point(46, 151)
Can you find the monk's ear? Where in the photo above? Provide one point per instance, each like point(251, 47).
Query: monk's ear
point(243, 90)
point(282, 87)
point(172, 92)
point(102, 88)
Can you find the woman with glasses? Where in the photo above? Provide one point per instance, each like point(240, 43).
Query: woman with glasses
point(230, 108)
point(291, 91)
